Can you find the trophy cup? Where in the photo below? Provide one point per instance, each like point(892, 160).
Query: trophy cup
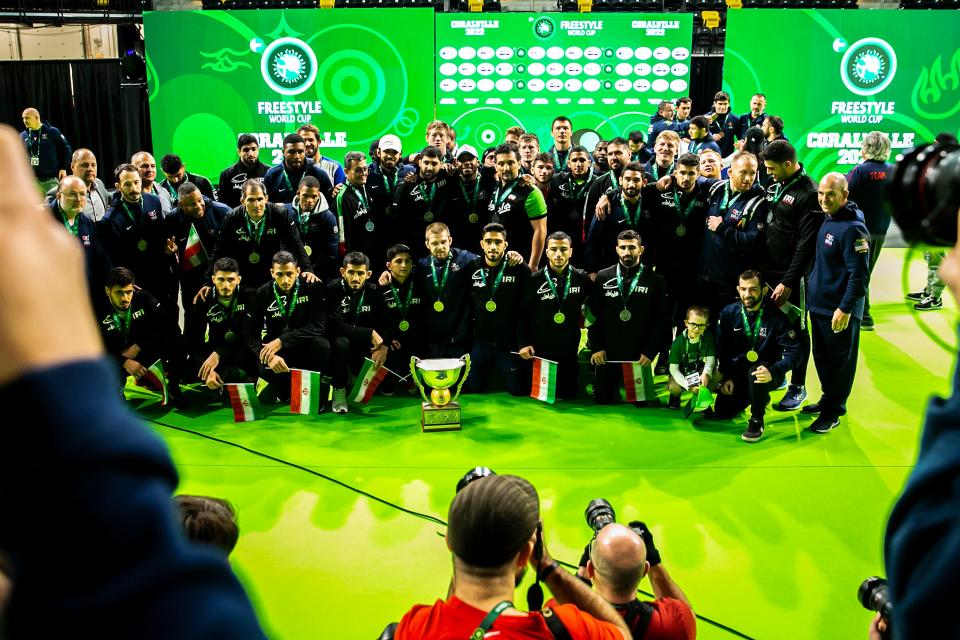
point(440, 411)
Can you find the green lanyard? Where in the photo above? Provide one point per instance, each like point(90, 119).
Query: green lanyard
point(357, 309)
point(362, 196)
point(286, 180)
point(389, 185)
point(656, 171)
point(626, 294)
point(626, 211)
point(577, 193)
point(489, 619)
point(684, 212)
point(471, 202)
point(497, 280)
point(433, 194)
point(752, 333)
point(402, 306)
point(439, 286)
point(256, 234)
point(173, 192)
point(553, 287)
point(614, 183)
point(72, 228)
point(557, 164)
point(123, 321)
point(686, 349)
point(133, 219)
point(498, 199)
point(781, 189)
point(286, 312)
point(726, 203)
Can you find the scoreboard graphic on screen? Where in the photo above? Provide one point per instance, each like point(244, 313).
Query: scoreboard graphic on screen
point(606, 74)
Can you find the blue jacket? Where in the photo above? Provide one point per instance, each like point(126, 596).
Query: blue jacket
point(52, 148)
point(452, 325)
point(746, 121)
point(737, 242)
point(922, 546)
point(841, 267)
point(658, 123)
point(121, 238)
point(729, 130)
point(95, 256)
point(777, 345)
point(696, 146)
point(125, 569)
point(320, 233)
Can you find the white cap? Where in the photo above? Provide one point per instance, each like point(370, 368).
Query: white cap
point(390, 142)
point(465, 148)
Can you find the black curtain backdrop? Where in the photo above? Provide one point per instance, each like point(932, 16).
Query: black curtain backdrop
point(82, 98)
point(706, 77)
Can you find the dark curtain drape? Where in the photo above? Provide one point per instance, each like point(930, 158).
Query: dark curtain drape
point(82, 98)
point(706, 76)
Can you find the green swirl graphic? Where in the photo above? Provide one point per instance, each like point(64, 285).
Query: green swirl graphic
point(935, 88)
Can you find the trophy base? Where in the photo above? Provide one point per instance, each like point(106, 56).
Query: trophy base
point(445, 418)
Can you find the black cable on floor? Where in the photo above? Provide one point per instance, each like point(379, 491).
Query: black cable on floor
point(416, 514)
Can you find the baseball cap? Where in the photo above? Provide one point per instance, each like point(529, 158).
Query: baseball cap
point(390, 142)
point(465, 148)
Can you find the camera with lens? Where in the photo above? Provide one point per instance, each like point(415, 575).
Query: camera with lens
point(874, 595)
point(924, 192)
point(600, 513)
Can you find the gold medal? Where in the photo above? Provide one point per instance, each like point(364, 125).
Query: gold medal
point(473, 218)
point(307, 248)
point(625, 315)
point(142, 245)
point(438, 306)
point(491, 306)
point(230, 336)
point(558, 317)
point(404, 325)
point(428, 216)
point(254, 258)
point(752, 355)
point(681, 231)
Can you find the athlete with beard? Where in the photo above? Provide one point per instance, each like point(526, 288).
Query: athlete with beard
point(420, 201)
point(518, 206)
point(629, 302)
point(625, 213)
point(248, 166)
point(548, 325)
point(568, 195)
point(496, 289)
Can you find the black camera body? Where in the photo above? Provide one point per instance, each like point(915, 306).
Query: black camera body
point(924, 193)
point(874, 595)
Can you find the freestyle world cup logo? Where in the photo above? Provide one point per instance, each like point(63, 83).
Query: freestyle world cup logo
point(289, 66)
point(544, 28)
point(868, 66)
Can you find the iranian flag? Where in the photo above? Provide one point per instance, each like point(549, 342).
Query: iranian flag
point(243, 399)
point(194, 254)
point(638, 381)
point(543, 384)
point(371, 375)
point(154, 377)
point(305, 391)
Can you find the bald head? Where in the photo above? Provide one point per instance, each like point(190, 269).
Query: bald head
point(832, 192)
point(146, 166)
point(84, 164)
point(743, 171)
point(31, 118)
point(618, 560)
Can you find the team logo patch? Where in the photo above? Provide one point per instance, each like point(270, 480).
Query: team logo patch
point(788, 199)
point(828, 239)
point(861, 245)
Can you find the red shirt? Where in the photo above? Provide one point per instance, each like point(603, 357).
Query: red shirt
point(671, 620)
point(456, 620)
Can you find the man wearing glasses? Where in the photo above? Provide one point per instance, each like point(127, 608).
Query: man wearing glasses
point(359, 228)
point(67, 209)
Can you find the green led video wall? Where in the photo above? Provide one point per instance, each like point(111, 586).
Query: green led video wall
point(835, 75)
point(606, 72)
point(355, 74)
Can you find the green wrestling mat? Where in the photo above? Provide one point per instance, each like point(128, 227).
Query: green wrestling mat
point(770, 539)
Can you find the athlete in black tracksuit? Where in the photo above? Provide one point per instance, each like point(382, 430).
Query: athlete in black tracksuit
point(495, 333)
point(838, 282)
point(549, 321)
point(224, 326)
point(639, 335)
point(363, 312)
point(793, 220)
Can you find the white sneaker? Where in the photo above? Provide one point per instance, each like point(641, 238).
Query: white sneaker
point(340, 401)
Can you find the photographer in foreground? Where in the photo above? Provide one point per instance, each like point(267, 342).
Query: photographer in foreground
point(615, 562)
point(494, 531)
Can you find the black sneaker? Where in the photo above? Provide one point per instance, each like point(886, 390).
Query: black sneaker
point(866, 324)
point(674, 402)
point(929, 304)
point(754, 430)
point(824, 424)
point(918, 296)
point(811, 409)
point(792, 399)
point(662, 369)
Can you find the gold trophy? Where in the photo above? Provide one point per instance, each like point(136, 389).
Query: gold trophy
point(440, 411)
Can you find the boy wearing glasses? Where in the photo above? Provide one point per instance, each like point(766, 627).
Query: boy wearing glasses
point(693, 356)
